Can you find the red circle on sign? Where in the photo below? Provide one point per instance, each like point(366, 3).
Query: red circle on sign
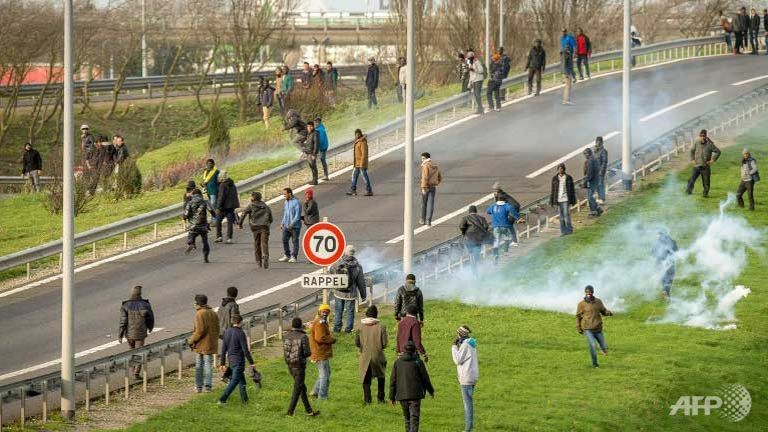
point(323, 243)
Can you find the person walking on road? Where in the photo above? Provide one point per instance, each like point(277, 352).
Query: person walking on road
point(227, 201)
point(749, 176)
point(290, 226)
point(228, 310)
point(589, 322)
point(409, 384)
point(495, 78)
point(295, 352)
point(563, 196)
point(235, 351)
point(476, 232)
point(371, 340)
point(503, 218)
point(360, 156)
point(592, 181)
point(259, 219)
point(462, 70)
point(211, 181)
point(31, 165)
point(321, 344)
point(311, 212)
point(535, 65)
point(583, 53)
point(345, 298)
point(323, 145)
point(197, 216)
point(409, 294)
point(372, 82)
point(476, 78)
point(409, 330)
point(664, 251)
point(311, 149)
point(136, 321)
point(430, 179)
point(204, 342)
point(464, 353)
point(703, 155)
point(602, 157)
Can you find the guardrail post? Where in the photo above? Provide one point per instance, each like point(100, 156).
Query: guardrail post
point(180, 365)
point(61, 260)
point(554, 78)
point(162, 368)
point(280, 324)
point(154, 233)
point(29, 271)
point(23, 407)
point(527, 229)
point(435, 123)
point(613, 65)
point(144, 372)
point(106, 384)
point(125, 240)
point(288, 181)
point(126, 379)
point(598, 67)
point(397, 130)
point(88, 390)
point(149, 90)
point(44, 401)
point(264, 319)
point(93, 250)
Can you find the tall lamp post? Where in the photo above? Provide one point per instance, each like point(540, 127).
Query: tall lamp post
point(410, 80)
point(626, 126)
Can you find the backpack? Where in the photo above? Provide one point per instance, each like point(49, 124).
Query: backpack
point(344, 269)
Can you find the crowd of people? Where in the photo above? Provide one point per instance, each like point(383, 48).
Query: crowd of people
point(741, 30)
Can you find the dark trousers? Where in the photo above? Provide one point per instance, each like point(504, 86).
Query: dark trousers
point(667, 278)
point(728, 41)
point(321, 155)
point(583, 59)
point(229, 214)
point(312, 164)
point(372, 102)
point(411, 414)
point(739, 41)
point(238, 379)
point(428, 205)
point(291, 238)
point(133, 344)
point(753, 41)
point(299, 390)
point(477, 90)
point(705, 172)
point(537, 74)
point(261, 245)
point(367, 387)
point(203, 236)
point(749, 187)
point(465, 85)
point(494, 88)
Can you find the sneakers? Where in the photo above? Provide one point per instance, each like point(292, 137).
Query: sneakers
point(313, 414)
point(218, 240)
point(569, 103)
point(220, 404)
point(497, 109)
point(189, 250)
point(514, 244)
point(229, 241)
point(421, 221)
point(599, 201)
point(369, 193)
point(352, 193)
point(284, 258)
point(292, 260)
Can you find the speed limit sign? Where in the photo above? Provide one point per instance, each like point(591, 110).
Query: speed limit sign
point(323, 243)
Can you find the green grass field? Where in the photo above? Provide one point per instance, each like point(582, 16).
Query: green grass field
point(535, 371)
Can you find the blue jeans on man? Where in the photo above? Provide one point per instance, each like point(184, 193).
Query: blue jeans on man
point(203, 371)
point(291, 241)
point(601, 188)
point(237, 379)
point(566, 226)
point(474, 254)
point(323, 379)
point(595, 337)
point(321, 155)
point(427, 205)
point(594, 208)
point(340, 306)
point(356, 174)
point(467, 391)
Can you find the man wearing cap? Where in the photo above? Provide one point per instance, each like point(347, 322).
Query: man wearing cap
point(372, 82)
point(204, 342)
point(296, 349)
point(321, 344)
point(346, 297)
point(323, 145)
point(87, 143)
point(136, 321)
point(311, 211)
point(409, 384)
point(259, 219)
point(749, 175)
point(464, 353)
point(703, 154)
point(589, 321)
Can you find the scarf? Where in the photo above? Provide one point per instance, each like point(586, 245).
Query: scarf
point(208, 175)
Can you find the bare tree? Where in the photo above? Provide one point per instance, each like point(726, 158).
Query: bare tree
point(125, 30)
point(427, 23)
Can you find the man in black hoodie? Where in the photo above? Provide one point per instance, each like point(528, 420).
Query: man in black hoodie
point(228, 310)
point(32, 163)
point(475, 230)
point(196, 214)
point(235, 349)
point(311, 148)
point(227, 201)
point(409, 384)
point(259, 218)
point(295, 352)
point(136, 321)
point(409, 294)
point(537, 62)
point(592, 181)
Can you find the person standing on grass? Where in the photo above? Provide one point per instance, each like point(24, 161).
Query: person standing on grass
point(211, 181)
point(31, 165)
point(136, 321)
point(311, 148)
point(703, 154)
point(409, 294)
point(321, 344)
point(204, 342)
point(290, 226)
point(267, 99)
point(464, 353)
point(371, 340)
point(228, 310)
point(476, 77)
point(323, 145)
point(235, 350)
point(475, 230)
point(589, 321)
point(563, 196)
point(311, 211)
point(306, 77)
point(227, 201)
point(409, 331)
point(535, 65)
point(296, 349)
point(87, 144)
point(360, 156)
point(372, 82)
point(408, 385)
point(259, 218)
point(602, 157)
point(121, 152)
point(278, 91)
point(346, 297)
point(287, 85)
point(664, 251)
point(331, 80)
point(503, 218)
point(749, 176)
point(197, 216)
point(592, 181)
point(430, 180)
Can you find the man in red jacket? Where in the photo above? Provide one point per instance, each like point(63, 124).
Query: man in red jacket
point(583, 53)
point(409, 329)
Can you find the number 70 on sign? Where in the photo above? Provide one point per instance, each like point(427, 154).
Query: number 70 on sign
point(323, 243)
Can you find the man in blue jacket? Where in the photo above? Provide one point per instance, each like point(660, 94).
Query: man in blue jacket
point(323, 144)
point(568, 47)
point(290, 226)
point(235, 349)
point(503, 217)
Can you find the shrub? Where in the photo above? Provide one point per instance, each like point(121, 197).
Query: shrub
point(218, 135)
point(126, 182)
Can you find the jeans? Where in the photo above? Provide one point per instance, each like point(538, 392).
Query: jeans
point(34, 179)
point(501, 238)
point(229, 214)
point(753, 42)
point(204, 371)
point(667, 278)
point(595, 337)
point(356, 174)
point(705, 172)
point(372, 102)
point(593, 207)
point(766, 44)
point(323, 379)
point(566, 226)
point(339, 307)
point(531, 75)
point(299, 390)
point(467, 391)
point(493, 91)
point(728, 41)
point(601, 187)
point(261, 245)
point(192, 235)
point(367, 398)
point(212, 200)
point(428, 205)
point(583, 59)
point(321, 156)
point(312, 164)
point(411, 414)
point(477, 89)
point(237, 379)
point(291, 236)
point(749, 187)
point(567, 89)
point(465, 85)
point(474, 254)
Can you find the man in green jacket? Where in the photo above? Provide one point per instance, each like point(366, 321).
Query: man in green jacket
point(703, 154)
point(589, 321)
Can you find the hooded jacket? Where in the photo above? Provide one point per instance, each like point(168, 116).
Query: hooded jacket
point(235, 349)
point(197, 213)
point(311, 213)
point(537, 59)
point(500, 214)
point(227, 198)
point(430, 174)
point(372, 77)
point(409, 329)
point(258, 214)
point(406, 295)
point(592, 174)
point(371, 340)
point(589, 315)
point(474, 228)
point(136, 319)
point(31, 161)
point(205, 335)
point(320, 340)
point(356, 277)
point(360, 152)
point(296, 348)
point(602, 158)
point(322, 136)
point(229, 308)
point(465, 359)
point(312, 145)
point(476, 71)
point(409, 379)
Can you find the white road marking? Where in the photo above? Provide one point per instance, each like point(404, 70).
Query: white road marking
point(107, 345)
point(750, 80)
point(576, 152)
point(675, 106)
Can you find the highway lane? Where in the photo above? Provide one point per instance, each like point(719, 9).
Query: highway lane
point(504, 146)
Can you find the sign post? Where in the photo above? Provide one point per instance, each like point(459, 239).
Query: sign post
point(323, 244)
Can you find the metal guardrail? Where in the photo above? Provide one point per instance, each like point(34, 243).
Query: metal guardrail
point(21, 180)
point(674, 50)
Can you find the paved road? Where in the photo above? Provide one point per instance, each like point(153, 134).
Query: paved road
point(505, 146)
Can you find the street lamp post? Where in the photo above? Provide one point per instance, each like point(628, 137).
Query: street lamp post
point(626, 126)
point(410, 80)
point(487, 33)
point(501, 23)
point(143, 38)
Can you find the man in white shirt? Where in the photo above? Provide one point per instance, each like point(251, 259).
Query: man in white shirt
point(563, 196)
